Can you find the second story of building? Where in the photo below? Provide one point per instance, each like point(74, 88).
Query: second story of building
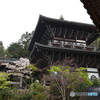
point(64, 34)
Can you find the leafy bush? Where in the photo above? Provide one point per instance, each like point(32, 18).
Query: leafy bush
point(26, 96)
point(96, 82)
point(53, 90)
point(33, 68)
point(4, 80)
point(8, 94)
point(40, 96)
point(38, 91)
point(3, 94)
point(36, 87)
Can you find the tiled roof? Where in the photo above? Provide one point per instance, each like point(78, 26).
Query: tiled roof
point(49, 27)
point(93, 9)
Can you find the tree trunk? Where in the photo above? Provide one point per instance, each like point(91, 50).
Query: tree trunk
point(32, 96)
point(8, 96)
point(64, 98)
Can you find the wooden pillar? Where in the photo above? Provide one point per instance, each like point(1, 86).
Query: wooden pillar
point(20, 82)
point(44, 82)
point(98, 67)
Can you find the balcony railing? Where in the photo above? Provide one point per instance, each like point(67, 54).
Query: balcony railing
point(71, 45)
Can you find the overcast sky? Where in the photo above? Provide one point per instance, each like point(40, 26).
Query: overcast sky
point(19, 16)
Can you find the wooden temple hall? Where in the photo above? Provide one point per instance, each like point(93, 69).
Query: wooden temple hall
point(56, 39)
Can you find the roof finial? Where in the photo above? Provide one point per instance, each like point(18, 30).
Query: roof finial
point(61, 17)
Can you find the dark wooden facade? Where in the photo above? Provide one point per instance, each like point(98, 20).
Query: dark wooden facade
point(56, 39)
point(93, 9)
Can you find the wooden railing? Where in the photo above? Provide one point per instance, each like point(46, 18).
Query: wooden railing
point(71, 45)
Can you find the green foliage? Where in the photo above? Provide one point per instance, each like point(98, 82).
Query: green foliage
point(3, 94)
point(53, 89)
point(96, 43)
point(24, 42)
point(7, 54)
point(36, 88)
point(40, 96)
point(96, 82)
point(74, 78)
point(83, 75)
point(59, 69)
point(33, 68)
point(38, 91)
point(19, 49)
point(25, 38)
point(4, 80)
point(15, 94)
point(67, 80)
point(78, 79)
point(26, 96)
point(14, 50)
point(9, 94)
point(1, 49)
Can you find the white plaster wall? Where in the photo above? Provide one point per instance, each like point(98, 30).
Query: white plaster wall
point(95, 74)
point(93, 70)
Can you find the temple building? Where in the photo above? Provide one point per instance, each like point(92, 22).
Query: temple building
point(56, 39)
point(93, 9)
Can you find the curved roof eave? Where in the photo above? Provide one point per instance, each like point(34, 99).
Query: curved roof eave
point(50, 48)
point(93, 9)
point(45, 20)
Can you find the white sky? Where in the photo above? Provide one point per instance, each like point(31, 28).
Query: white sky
point(19, 16)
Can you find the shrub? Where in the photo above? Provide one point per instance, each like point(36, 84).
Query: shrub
point(26, 96)
point(4, 80)
point(38, 91)
point(36, 87)
point(96, 82)
point(53, 90)
point(40, 96)
point(3, 94)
